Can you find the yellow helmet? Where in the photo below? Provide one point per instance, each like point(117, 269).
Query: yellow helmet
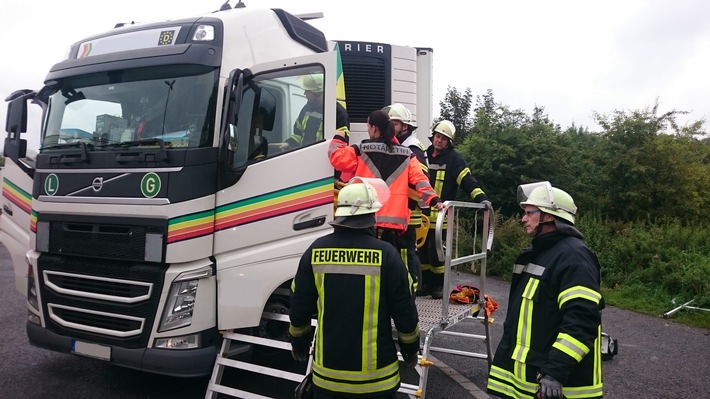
point(399, 112)
point(312, 82)
point(549, 199)
point(446, 128)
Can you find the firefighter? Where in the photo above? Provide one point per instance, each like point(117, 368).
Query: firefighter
point(404, 127)
point(447, 172)
point(382, 157)
point(308, 127)
point(356, 284)
point(552, 330)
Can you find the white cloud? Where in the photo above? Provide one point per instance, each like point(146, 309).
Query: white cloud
point(570, 57)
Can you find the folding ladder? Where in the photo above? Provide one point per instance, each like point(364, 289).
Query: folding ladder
point(436, 317)
point(223, 361)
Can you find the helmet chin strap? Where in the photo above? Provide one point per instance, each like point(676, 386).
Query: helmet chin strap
point(539, 226)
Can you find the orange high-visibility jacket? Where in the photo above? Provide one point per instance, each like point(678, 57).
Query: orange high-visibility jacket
point(398, 168)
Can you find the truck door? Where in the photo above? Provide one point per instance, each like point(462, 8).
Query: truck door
point(16, 218)
point(277, 132)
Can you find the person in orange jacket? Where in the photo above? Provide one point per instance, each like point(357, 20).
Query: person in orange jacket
point(381, 156)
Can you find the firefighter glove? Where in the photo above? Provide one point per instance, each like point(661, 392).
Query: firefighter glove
point(300, 354)
point(488, 204)
point(300, 348)
point(410, 359)
point(550, 388)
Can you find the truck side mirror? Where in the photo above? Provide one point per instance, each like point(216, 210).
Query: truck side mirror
point(16, 121)
point(15, 149)
point(16, 124)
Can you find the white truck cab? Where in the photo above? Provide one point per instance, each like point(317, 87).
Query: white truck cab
point(160, 208)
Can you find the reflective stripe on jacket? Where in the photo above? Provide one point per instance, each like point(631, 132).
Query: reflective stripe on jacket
point(398, 168)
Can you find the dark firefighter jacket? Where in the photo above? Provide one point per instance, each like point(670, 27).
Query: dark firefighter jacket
point(415, 203)
point(397, 167)
point(356, 284)
point(447, 172)
point(308, 127)
point(553, 324)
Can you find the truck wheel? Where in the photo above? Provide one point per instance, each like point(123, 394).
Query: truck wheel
point(273, 329)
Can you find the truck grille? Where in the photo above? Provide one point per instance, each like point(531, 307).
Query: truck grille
point(110, 323)
point(111, 287)
point(101, 240)
point(103, 301)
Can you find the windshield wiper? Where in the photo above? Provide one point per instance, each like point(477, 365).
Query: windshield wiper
point(138, 156)
point(70, 157)
point(135, 143)
point(68, 145)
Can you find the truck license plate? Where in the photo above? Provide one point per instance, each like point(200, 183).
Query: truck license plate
point(91, 350)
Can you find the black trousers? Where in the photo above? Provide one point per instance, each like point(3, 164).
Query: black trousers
point(406, 243)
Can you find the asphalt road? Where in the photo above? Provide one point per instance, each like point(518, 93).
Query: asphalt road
point(657, 359)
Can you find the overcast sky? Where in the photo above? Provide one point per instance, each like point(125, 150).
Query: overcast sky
point(570, 57)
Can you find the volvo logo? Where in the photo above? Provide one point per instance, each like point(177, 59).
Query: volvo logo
point(97, 184)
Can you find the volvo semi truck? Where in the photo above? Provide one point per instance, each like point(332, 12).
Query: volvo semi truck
point(161, 208)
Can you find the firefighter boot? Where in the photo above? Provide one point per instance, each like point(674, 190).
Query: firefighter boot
point(424, 285)
point(437, 286)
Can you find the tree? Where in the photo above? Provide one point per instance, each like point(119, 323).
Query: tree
point(507, 147)
point(658, 169)
point(456, 108)
point(642, 166)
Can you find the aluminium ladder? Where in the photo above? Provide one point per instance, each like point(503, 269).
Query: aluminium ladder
point(436, 316)
point(215, 386)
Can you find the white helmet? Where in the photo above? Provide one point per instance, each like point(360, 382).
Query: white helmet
point(312, 82)
point(549, 199)
point(359, 198)
point(446, 128)
point(399, 112)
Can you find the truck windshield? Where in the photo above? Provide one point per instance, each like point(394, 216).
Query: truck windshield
point(175, 104)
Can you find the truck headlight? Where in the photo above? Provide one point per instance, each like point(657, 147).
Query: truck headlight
point(180, 302)
point(31, 288)
point(204, 33)
point(179, 305)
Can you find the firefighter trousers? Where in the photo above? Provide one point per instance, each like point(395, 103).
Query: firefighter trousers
point(406, 243)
